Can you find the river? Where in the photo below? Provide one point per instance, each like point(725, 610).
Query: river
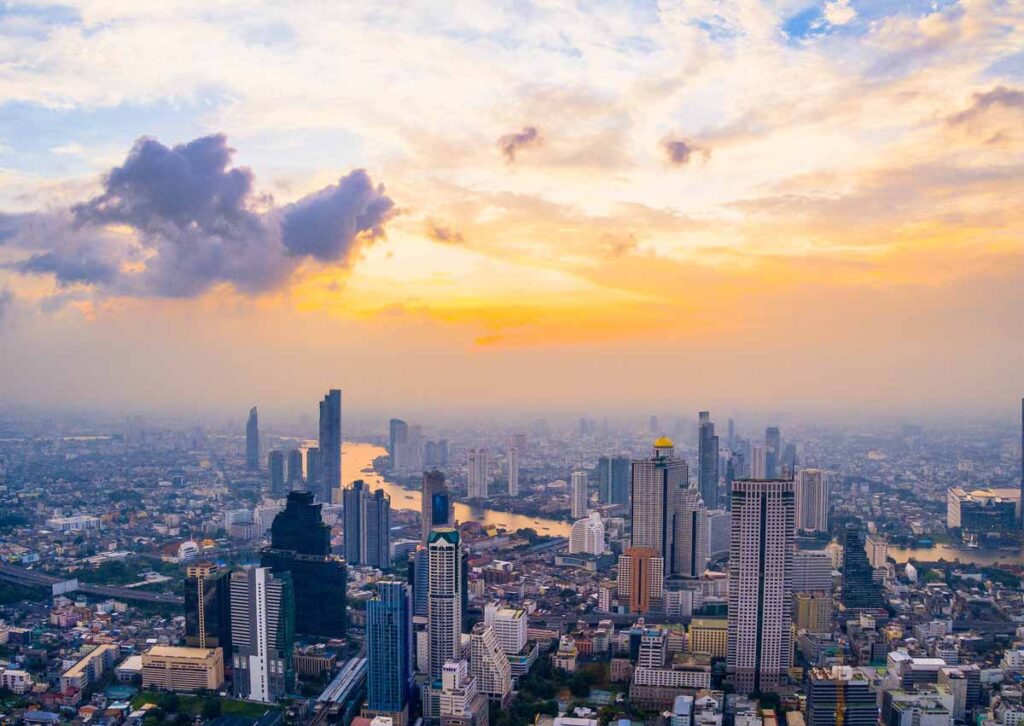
point(357, 463)
point(952, 554)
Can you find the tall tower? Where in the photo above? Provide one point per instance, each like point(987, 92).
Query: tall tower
point(579, 495)
point(398, 436)
point(690, 535)
point(389, 651)
point(435, 504)
point(654, 483)
point(367, 526)
point(479, 472)
point(707, 461)
point(640, 578)
point(275, 463)
point(773, 452)
point(294, 467)
point(860, 591)
point(313, 469)
point(330, 446)
point(252, 441)
point(512, 461)
point(262, 633)
point(760, 583)
point(208, 607)
point(811, 500)
point(444, 599)
point(489, 665)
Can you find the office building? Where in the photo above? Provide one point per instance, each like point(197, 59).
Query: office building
point(579, 494)
point(811, 500)
point(419, 580)
point(587, 536)
point(641, 578)
point(478, 473)
point(710, 636)
point(444, 598)
point(262, 633)
point(760, 583)
point(252, 441)
point(512, 464)
point(389, 651)
point(813, 611)
point(812, 571)
point(88, 670)
point(312, 469)
point(707, 461)
point(510, 626)
point(860, 591)
point(367, 526)
point(613, 476)
point(987, 514)
point(690, 535)
point(719, 526)
point(208, 607)
point(275, 464)
point(758, 462)
point(772, 452)
point(435, 504)
point(301, 545)
point(329, 478)
point(489, 665)
point(183, 670)
point(294, 468)
point(877, 550)
point(460, 703)
point(840, 695)
point(654, 484)
point(398, 438)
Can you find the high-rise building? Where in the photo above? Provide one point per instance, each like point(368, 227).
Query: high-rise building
point(252, 441)
point(580, 495)
point(707, 461)
point(731, 435)
point(389, 651)
point(489, 665)
point(840, 695)
point(460, 703)
point(641, 578)
point(300, 544)
point(690, 535)
point(398, 436)
point(1022, 463)
point(444, 598)
point(877, 550)
point(478, 473)
point(788, 461)
point(811, 500)
point(511, 625)
point(419, 580)
point(313, 469)
point(587, 536)
point(208, 607)
point(860, 591)
point(654, 484)
point(512, 463)
point(435, 504)
point(367, 526)
point(262, 633)
point(613, 475)
point(813, 611)
point(773, 452)
point(330, 447)
point(758, 468)
point(812, 571)
point(760, 583)
point(294, 467)
point(275, 463)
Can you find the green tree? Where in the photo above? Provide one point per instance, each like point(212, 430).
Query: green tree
point(211, 708)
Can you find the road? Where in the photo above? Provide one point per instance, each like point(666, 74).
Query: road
point(21, 576)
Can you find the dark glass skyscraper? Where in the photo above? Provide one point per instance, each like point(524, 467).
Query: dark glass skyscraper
point(435, 504)
point(208, 608)
point(367, 526)
point(252, 441)
point(860, 591)
point(330, 446)
point(388, 649)
point(301, 545)
point(294, 467)
point(312, 469)
point(613, 479)
point(419, 567)
point(707, 461)
point(275, 462)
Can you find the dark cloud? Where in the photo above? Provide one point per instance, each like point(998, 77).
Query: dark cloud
point(511, 144)
point(998, 96)
point(680, 151)
point(441, 233)
point(325, 224)
point(195, 222)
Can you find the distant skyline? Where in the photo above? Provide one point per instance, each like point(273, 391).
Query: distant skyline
point(812, 207)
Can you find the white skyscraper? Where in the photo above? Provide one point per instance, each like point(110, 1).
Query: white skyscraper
point(489, 665)
point(587, 536)
point(478, 474)
point(579, 494)
point(459, 697)
point(262, 619)
point(690, 534)
point(758, 462)
point(510, 626)
point(512, 461)
point(760, 583)
point(811, 500)
point(444, 598)
point(655, 482)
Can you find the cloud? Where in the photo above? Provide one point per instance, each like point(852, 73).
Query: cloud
point(511, 144)
point(6, 303)
point(680, 151)
point(176, 221)
point(1000, 96)
point(441, 233)
point(839, 12)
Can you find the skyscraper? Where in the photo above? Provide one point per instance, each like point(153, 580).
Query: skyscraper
point(690, 535)
point(640, 578)
point(262, 633)
point(654, 483)
point(811, 500)
point(840, 695)
point(208, 607)
point(275, 463)
point(613, 474)
point(389, 651)
point(773, 452)
point(580, 496)
point(860, 591)
point(587, 536)
point(479, 473)
point(760, 583)
point(301, 545)
point(489, 665)
point(444, 598)
point(435, 504)
point(398, 435)
point(367, 526)
point(758, 467)
point(313, 469)
point(707, 461)
point(252, 441)
point(330, 447)
point(419, 580)
point(294, 467)
point(512, 462)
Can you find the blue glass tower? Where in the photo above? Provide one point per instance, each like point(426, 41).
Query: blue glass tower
point(388, 648)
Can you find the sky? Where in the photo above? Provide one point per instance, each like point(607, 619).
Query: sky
point(620, 206)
